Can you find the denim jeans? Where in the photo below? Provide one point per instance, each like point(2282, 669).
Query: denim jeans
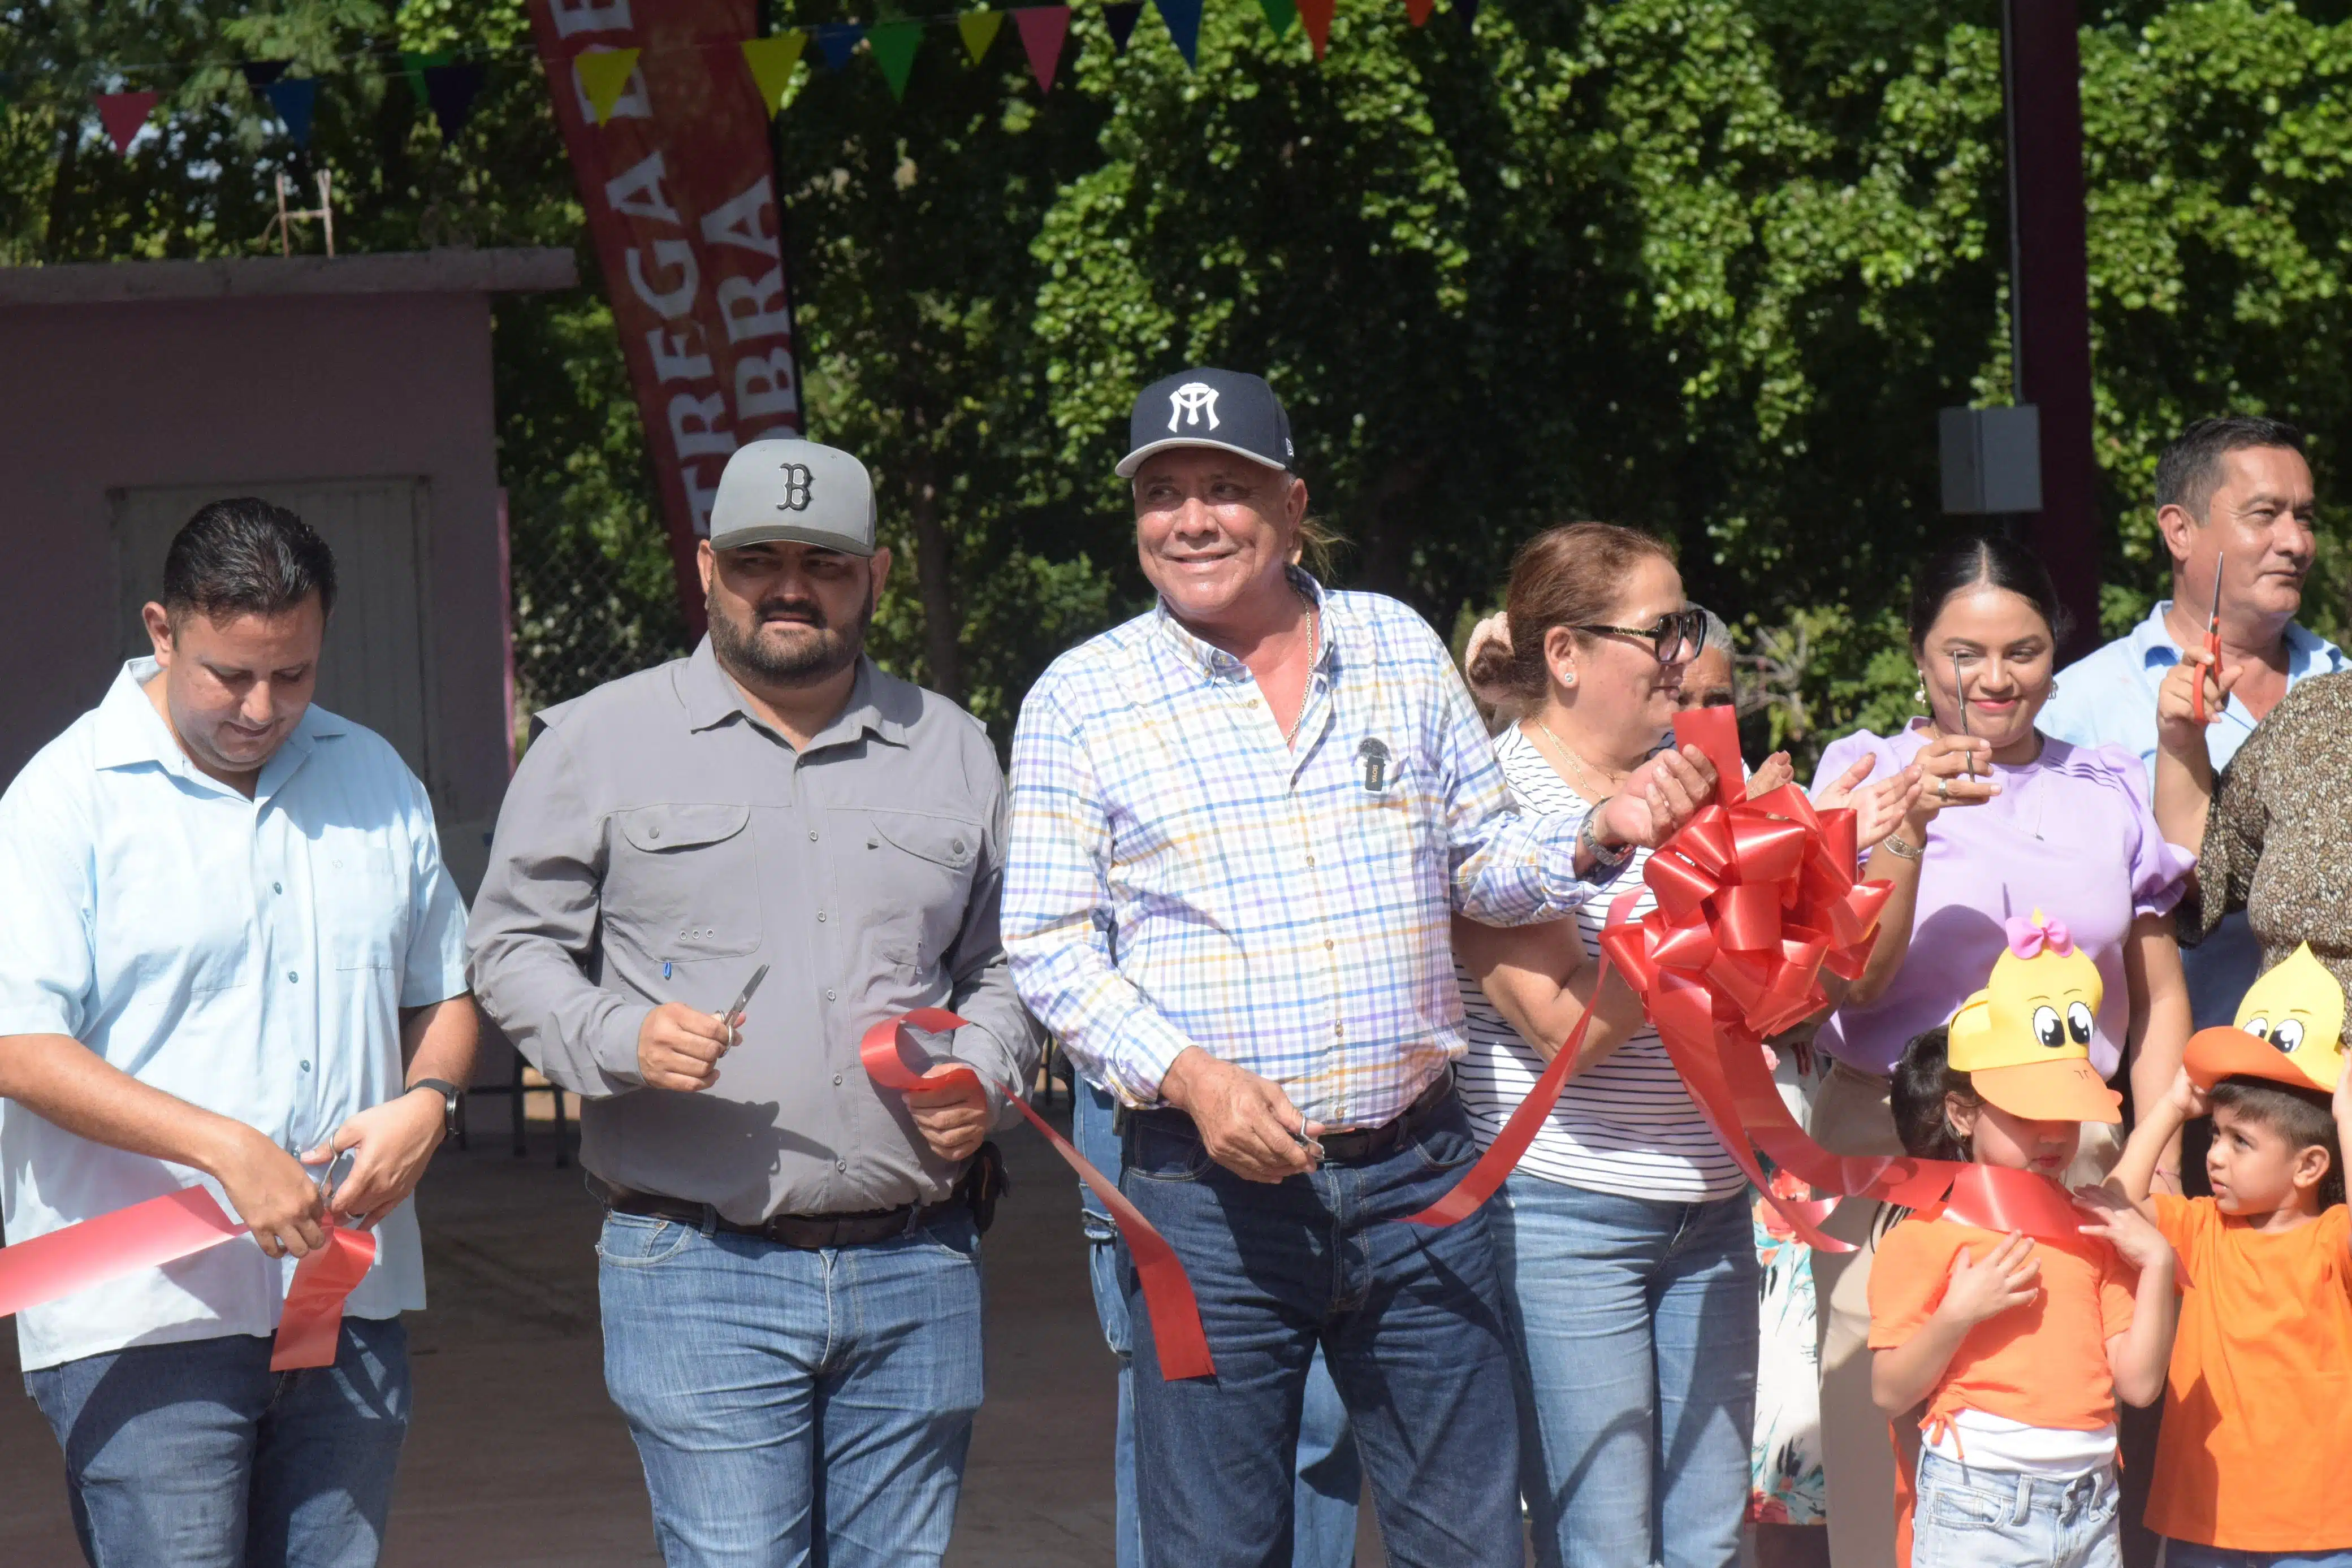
point(1998, 1519)
point(1328, 1477)
point(1633, 1330)
point(198, 1456)
point(794, 1407)
point(2186, 1554)
point(1407, 1316)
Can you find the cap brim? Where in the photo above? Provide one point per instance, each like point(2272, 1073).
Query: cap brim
point(785, 534)
point(1134, 460)
point(2214, 1054)
point(2061, 1091)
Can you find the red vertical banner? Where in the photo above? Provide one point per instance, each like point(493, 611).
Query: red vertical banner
point(679, 189)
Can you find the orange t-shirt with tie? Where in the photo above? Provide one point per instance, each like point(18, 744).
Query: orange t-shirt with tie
point(2258, 1409)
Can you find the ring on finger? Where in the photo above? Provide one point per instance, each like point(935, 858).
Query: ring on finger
point(1943, 788)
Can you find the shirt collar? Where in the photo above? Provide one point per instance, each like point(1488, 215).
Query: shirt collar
point(712, 698)
point(1214, 664)
point(2306, 650)
point(129, 732)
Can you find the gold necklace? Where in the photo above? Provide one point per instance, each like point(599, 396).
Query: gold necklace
point(1314, 639)
point(1582, 769)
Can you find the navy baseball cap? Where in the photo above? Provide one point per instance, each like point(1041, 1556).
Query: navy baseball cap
point(1229, 410)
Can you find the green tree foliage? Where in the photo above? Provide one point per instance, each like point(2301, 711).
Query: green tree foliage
point(1707, 266)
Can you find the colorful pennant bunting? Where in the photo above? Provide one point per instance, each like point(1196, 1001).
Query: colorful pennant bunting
point(893, 44)
point(1042, 30)
point(1316, 15)
point(259, 74)
point(1183, 19)
point(979, 30)
point(414, 65)
point(838, 41)
point(603, 73)
point(1120, 20)
point(124, 114)
point(296, 99)
point(451, 90)
point(1279, 15)
point(772, 62)
point(1417, 11)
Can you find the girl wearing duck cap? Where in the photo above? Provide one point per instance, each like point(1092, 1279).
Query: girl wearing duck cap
point(2017, 1347)
point(2258, 1414)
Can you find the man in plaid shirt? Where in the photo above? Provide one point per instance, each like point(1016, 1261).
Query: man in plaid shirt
point(1241, 825)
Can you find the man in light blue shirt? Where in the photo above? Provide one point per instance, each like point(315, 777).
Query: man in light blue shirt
point(230, 950)
point(2233, 496)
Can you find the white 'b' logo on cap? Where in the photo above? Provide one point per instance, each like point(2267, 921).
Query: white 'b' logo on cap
point(798, 482)
point(1188, 402)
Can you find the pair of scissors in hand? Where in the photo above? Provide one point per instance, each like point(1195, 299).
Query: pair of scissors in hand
point(733, 1017)
point(2212, 644)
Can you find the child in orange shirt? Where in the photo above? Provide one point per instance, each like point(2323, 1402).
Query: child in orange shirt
point(2258, 1415)
point(2018, 1346)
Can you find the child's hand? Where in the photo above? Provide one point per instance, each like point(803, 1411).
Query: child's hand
point(2176, 729)
point(2123, 1227)
point(2009, 1277)
point(2192, 1102)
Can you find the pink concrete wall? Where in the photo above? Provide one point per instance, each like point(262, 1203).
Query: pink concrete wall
point(96, 396)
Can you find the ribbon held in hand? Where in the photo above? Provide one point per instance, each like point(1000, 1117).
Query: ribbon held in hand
point(1176, 1329)
point(43, 1269)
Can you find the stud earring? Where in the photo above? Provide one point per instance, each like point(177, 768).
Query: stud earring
point(1567, 679)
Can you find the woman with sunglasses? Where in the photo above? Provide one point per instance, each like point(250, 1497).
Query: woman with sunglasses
point(1628, 1262)
point(2008, 822)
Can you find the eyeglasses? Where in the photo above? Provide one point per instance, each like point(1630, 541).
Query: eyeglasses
point(1678, 634)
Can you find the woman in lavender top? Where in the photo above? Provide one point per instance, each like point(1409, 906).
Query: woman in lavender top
point(2009, 822)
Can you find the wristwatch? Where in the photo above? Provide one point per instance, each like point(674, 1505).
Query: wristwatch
point(1603, 857)
point(450, 1095)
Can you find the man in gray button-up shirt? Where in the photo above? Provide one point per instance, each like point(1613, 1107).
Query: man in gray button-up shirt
point(774, 799)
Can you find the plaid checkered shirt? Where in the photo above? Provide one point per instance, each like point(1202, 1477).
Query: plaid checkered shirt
point(1177, 875)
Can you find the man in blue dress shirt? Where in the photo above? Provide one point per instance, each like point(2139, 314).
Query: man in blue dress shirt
point(231, 953)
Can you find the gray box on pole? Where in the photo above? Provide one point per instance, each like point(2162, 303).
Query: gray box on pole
point(1991, 459)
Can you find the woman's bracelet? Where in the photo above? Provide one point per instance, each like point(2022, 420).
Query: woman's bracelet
point(1901, 850)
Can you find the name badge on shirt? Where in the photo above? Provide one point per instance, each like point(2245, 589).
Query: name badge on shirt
point(1374, 756)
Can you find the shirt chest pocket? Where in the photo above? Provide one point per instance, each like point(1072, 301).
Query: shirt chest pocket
point(361, 903)
point(914, 874)
point(683, 880)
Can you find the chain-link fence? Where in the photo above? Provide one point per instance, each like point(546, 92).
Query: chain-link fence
point(587, 611)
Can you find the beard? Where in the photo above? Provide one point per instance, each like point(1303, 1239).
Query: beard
point(805, 661)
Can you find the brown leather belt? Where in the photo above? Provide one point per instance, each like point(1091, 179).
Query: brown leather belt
point(1354, 1146)
point(810, 1232)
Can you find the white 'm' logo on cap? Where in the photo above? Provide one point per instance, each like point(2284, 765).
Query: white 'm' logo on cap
point(1188, 402)
point(798, 482)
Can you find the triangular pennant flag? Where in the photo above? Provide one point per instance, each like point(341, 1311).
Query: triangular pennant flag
point(603, 73)
point(451, 90)
point(259, 74)
point(1468, 11)
point(415, 65)
point(1279, 15)
point(893, 44)
point(1417, 11)
point(1120, 20)
point(1043, 29)
point(837, 42)
point(296, 99)
point(979, 30)
point(1316, 15)
point(124, 115)
point(1183, 19)
point(772, 61)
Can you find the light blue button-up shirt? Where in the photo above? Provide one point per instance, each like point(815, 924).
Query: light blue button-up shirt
point(247, 956)
point(2108, 698)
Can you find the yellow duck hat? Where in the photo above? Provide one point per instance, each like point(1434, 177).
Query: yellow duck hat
point(2025, 1040)
point(2290, 1030)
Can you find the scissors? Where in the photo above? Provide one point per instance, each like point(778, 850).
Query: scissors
point(733, 1017)
point(2213, 643)
point(1960, 700)
point(1313, 1146)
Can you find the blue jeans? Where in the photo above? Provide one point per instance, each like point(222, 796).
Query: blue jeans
point(1408, 1318)
point(1633, 1328)
point(1328, 1477)
point(794, 1407)
point(198, 1456)
point(2187, 1554)
point(1968, 1517)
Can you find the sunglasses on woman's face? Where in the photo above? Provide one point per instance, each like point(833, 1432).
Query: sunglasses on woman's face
point(1678, 634)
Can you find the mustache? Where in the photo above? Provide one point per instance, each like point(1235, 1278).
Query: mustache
point(806, 610)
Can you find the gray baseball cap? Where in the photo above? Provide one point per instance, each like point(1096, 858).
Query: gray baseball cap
point(794, 492)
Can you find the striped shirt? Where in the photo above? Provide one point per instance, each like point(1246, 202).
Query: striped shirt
point(1624, 1125)
point(1178, 875)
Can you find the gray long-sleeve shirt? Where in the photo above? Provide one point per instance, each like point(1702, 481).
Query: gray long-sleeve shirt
point(658, 844)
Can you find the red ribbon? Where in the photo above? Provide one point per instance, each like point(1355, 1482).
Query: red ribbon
point(1176, 1331)
point(181, 1224)
point(1755, 898)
